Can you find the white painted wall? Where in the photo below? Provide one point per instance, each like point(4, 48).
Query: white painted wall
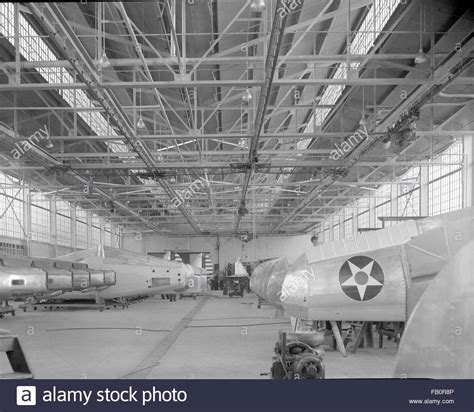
point(230, 248)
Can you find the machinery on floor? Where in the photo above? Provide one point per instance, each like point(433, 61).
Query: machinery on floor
point(236, 280)
point(377, 276)
point(298, 356)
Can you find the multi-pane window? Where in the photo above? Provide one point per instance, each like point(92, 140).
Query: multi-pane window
point(348, 226)
point(409, 203)
point(11, 249)
point(34, 48)
point(11, 208)
point(81, 229)
point(383, 205)
point(364, 39)
point(409, 193)
point(63, 223)
point(445, 189)
point(337, 231)
point(95, 231)
point(40, 218)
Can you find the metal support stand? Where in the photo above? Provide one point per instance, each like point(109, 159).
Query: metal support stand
point(338, 337)
point(10, 344)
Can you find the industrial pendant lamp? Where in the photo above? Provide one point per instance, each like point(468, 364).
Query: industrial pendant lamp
point(247, 96)
point(421, 56)
point(140, 123)
point(363, 120)
point(258, 6)
point(104, 61)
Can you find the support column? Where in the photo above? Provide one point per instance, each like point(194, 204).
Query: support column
point(372, 217)
point(355, 222)
point(53, 228)
point(394, 192)
point(89, 229)
point(469, 171)
point(73, 227)
point(27, 220)
point(102, 231)
point(424, 191)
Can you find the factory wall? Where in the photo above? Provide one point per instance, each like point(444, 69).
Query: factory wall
point(229, 249)
point(14, 246)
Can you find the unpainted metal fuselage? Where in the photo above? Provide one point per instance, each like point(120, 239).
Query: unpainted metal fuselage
point(377, 276)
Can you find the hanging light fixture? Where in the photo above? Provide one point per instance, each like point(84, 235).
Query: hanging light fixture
point(104, 61)
point(421, 56)
point(247, 96)
point(140, 123)
point(258, 6)
point(243, 142)
point(364, 121)
point(49, 144)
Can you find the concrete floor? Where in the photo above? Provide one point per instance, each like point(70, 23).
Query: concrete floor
point(213, 337)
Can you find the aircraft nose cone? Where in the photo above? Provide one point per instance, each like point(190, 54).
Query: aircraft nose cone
point(295, 289)
point(267, 279)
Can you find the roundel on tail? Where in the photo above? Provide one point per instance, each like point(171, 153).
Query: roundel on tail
point(361, 278)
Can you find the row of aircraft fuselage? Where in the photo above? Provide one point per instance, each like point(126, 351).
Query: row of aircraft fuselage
point(99, 274)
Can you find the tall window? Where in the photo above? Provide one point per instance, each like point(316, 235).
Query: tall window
point(63, 223)
point(11, 208)
point(81, 229)
point(95, 231)
point(383, 205)
point(40, 218)
point(445, 182)
point(348, 224)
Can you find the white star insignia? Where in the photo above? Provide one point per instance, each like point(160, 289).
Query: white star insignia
point(361, 288)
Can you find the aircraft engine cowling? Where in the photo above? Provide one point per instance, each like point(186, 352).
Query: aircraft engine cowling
point(22, 281)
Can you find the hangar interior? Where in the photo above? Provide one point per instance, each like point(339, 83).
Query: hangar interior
point(210, 132)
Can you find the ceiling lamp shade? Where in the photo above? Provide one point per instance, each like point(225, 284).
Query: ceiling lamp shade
point(104, 61)
point(247, 96)
point(140, 123)
point(257, 6)
point(421, 57)
point(363, 120)
point(243, 142)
